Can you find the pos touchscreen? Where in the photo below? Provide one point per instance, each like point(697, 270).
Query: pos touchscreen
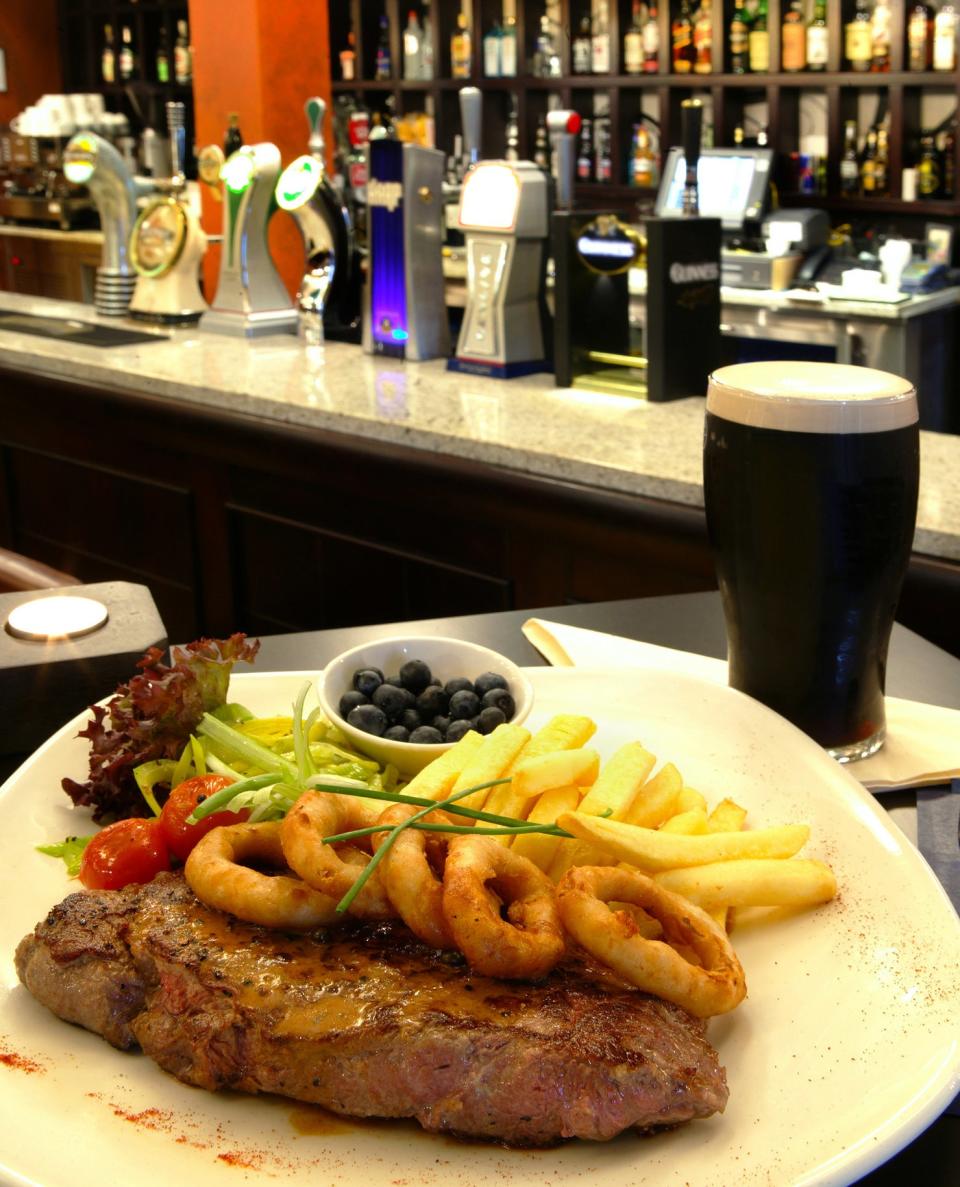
point(733, 184)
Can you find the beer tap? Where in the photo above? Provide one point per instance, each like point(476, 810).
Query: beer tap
point(692, 116)
point(330, 293)
point(563, 127)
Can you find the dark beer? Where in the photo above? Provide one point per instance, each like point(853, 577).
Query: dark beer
point(810, 486)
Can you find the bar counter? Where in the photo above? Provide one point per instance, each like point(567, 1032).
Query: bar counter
point(589, 447)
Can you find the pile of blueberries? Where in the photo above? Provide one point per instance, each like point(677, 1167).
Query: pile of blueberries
point(414, 707)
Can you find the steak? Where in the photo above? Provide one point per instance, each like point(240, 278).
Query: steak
point(367, 1021)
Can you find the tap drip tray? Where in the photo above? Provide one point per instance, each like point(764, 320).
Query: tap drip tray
point(66, 329)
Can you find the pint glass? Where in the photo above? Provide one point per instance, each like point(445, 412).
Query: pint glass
point(810, 475)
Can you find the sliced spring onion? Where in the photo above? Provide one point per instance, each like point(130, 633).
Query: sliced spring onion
point(219, 799)
point(238, 746)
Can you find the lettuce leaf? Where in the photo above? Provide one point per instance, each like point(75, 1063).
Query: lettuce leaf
point(151, 717)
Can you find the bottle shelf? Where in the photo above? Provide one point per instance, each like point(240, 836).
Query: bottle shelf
point(807, 79)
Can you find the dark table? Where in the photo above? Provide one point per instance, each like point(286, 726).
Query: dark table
point(917, 670)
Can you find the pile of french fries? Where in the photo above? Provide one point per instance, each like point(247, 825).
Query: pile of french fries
point(623, 811)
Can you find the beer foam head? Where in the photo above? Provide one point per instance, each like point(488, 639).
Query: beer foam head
point(805, 397)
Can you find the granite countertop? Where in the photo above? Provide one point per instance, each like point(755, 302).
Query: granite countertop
point(26, 232)
point(613, 443)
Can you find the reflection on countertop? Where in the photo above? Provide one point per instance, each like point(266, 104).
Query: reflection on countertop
point(612, 443)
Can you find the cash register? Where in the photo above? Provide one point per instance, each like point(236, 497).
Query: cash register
point(734, 186)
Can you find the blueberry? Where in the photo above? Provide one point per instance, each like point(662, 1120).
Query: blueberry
point(396, 733)
point(489, 680)
point(456, 730)
point(458, 684)
point(426, 735)
point(350, 700)
point(499, 698)
point(415, 675)
point(393, 680)
point(393, 701)
point(432, 701)
point(366, 680)
point(464, 704)
point(489, 719)
point(368, 718)
point(410, 719)
point(441, 723)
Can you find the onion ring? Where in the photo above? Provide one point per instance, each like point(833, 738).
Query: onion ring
point(652, 965)
point(529, 942)
point(333, 869)
point(409, 877)
point(215, 875)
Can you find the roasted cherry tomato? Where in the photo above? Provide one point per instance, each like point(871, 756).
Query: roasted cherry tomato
point(125, 852)
point(180, 836)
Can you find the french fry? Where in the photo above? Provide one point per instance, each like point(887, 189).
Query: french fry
point(436, 780)
point(565, 731)
point(657, 799)
point(689, 799)
point(652, 850)
point(688, 823)
point(619, 782)
point(764, 882)
point(727, 817)
point(541, 848)
point(533, 776)
point(491, 759)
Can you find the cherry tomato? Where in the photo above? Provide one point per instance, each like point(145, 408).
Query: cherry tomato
point(125, 852)
point(180, 836)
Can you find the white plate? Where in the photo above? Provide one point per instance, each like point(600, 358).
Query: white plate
point(846, 1048)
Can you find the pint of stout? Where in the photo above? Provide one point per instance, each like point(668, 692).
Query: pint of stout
point(810, 474)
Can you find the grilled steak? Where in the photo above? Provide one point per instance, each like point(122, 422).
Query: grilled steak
point(367, 1021)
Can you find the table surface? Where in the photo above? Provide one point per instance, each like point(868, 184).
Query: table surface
point(917, 670)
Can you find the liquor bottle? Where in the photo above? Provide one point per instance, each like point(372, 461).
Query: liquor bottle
point(412, 47)
point(703, 39)
point(108, 59)
point(508, 48)
point(585, 153)
point(881, 165)
point(633, 57)
point(233, 137)
point(945, 38)
point(928, 167)
point(880, 34)
point(541, 148)
point(604, 166)
point(546, 59)
point(348, 59)
point(163, 56)
point(849, 165)
point(600, 42)
point(868, 172)
point(384, 66)
point(651, 40)
point(793, 39)
point(949, 186)
point(739, 40)
point(426, 45)
point(858, 39)
point(183, 55)
point(127, 59)
point(681, 34)
point(512, 134)
point(759, 40)
point(919, 38)
point(817, 37)
point(643, 163)
point(582, 48)
point(491, 51)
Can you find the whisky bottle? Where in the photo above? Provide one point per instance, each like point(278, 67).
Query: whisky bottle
point(633, 42)
point(868, 166)
point(818, 38)
point(384, 66)
point(919, 38)
point(849, 165)
point(681, 33)
point(460, 49)
point(127, 59)
point(739, 40)
point(585, 153)
point(108, 59)
point(759, 40)
point(858, 39)
point(651, 40)
point(582, 49)
point(928, 168)
point(643, 163)
point(703, 39)
point(945, 38)
point(183, 55)
point(949, 185)
point(881, 165)
point(601, 38)
point(880, 33)
point(793, 39)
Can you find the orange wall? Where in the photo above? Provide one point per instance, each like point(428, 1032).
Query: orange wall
point(29, 38)
point(262, 59)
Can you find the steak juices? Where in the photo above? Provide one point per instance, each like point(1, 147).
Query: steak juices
point(810, 478)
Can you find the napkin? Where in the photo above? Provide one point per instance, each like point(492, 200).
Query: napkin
point(922, 746)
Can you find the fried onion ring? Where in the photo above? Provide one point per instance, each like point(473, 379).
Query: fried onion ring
point(410, 874)
point(216, 876)
point(714, 986)
point(333, 869)
point(480, 877)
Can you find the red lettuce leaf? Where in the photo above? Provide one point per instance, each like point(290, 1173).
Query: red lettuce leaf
point(151, 717)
